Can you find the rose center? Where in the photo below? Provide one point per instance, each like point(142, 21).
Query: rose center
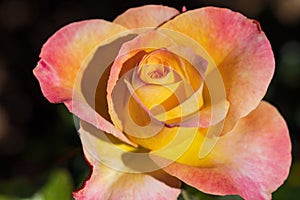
point(158, 73)
point(157, 67)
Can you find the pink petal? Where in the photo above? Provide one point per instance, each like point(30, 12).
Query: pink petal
point(66, 71)
point(106, 183)
point(110, 178)
point(253, 160)
point(146, 16)
point(240, 50)
point(64, 52)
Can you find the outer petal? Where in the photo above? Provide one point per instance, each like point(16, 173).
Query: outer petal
point(63, 54)
point(117, 184)
point(146, 16)
point(106, 183)
point(67, 62)
point(240, 50)
point(252, 161)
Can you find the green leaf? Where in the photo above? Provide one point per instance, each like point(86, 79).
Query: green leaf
point(4, 197)
point(291, 188)
point(229, 197)
point(59, 186)
point(190, 193)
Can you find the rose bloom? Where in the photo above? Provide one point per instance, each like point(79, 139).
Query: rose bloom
point(165, 97)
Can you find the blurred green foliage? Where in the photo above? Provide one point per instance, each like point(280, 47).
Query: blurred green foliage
point(58, 186)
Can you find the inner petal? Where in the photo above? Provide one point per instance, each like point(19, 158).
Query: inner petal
point(157, 74)
point(158, 67)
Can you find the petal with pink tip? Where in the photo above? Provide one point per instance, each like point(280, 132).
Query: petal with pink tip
point(68, 71)
point(240, 50)
point(114, 182)
point(146, 16)
point(106, 183)
point(63, 54)
point(253, 160)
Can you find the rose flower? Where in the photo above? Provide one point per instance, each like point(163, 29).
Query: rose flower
point(165, 97)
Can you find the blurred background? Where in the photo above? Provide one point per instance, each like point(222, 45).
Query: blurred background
point(40, 152)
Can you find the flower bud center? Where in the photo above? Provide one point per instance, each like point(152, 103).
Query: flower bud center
point(159, 72)
point(157, 67)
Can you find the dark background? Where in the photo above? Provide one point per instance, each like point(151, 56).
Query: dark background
point(39, 146)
